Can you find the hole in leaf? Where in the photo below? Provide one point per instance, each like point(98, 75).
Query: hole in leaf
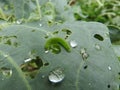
point(68, 32)
point(55, 32)
point(108, 86)
point(46, 36)
point(50, 22)
point(72, 2)
point(118, 73)
point(46, 64)
point(33, 30)
point(8, 42)
point(99, 37)
point(66, 37)
point(84, 54)
point(7, 72)
point(85, 67)
point(32, 66)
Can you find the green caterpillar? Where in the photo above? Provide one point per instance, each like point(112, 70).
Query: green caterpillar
point(57, 41)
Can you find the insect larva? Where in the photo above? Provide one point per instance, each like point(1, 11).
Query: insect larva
point(57, 40)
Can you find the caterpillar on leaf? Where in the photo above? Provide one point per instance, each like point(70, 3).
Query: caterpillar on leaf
point(55, 42)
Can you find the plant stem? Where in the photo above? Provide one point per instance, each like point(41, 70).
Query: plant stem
point(38, 7)
point(2, 14)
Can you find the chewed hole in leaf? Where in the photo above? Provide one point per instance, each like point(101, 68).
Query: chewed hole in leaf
point(9, 40)
point(66, 37)
point(7, 72)
point(86, 66)
point(50, 22)
point(31, 66)
point(46, 36)
point(55, 32)
point(67, 31)
point(84, 53)
point(71, 2)
point(118, 73)
point(108, 86)
point(33, 30)
point(98, 37)
point(46, 64)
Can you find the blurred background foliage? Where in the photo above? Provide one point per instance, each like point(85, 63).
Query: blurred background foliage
point(60, 11)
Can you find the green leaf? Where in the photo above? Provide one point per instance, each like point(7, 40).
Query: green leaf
point(91, 65)
point(114, 34)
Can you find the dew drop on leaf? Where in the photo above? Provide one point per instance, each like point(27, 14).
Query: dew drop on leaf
point(109, 68)
point(89, 84)
point(19, 21)
point(43, 76)
point(27, 60)
point(5, 55)
point(46, 51)
point(57, 75)
point(40, 25)
point(97, 47)
point(73, 43)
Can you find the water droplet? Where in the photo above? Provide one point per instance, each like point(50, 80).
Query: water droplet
point(84, 54)
point(40, 25)
point(73, 43)
point(109, 68)
point(43, 76)
point(89, 84)
point(19, 21)
point(56, 75)
point(5, 55)
point(97, 47)
point(46, 51)
point(55, 32)
point(6, 72)
point(107, 35)
point(27, 60)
